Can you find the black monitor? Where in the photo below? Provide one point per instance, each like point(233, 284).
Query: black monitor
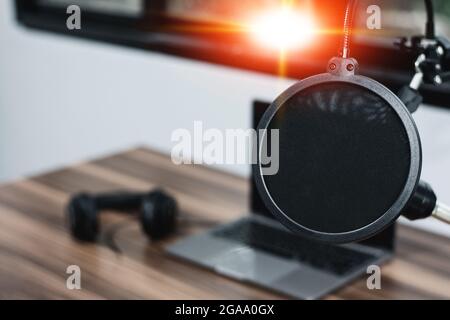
point(385, 239)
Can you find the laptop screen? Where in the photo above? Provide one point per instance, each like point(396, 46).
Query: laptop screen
point(385, 239)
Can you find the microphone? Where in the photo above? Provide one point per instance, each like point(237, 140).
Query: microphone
point(424, 204)
point(350, 155)
point(350, 158)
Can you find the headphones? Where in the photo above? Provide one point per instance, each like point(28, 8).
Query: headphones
point(157, 213)
point(350, 154)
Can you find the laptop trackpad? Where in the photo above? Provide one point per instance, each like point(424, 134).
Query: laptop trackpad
point(246, 263)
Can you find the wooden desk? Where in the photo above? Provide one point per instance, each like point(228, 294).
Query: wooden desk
point(36, 249)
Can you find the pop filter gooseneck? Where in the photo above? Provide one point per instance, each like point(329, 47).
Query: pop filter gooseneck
point(349, 155)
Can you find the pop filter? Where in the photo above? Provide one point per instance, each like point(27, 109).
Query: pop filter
point(340, 136)
point(349, 156)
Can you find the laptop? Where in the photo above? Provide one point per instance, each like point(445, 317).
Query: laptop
point(257, 249)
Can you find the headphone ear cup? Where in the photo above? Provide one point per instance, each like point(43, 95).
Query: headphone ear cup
point(82, 215)
point(158, 215)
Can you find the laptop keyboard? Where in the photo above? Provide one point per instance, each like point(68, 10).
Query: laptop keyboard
point(337, 260)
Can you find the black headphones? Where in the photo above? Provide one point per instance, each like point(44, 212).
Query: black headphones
point(157, 212)
point(350, 155)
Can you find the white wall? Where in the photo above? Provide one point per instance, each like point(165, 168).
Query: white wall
point(63, 100)
point(67, 99)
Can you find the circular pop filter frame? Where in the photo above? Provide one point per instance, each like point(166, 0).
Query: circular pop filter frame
point(413, 178)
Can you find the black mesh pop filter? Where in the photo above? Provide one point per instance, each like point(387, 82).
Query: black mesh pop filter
point(349, 158)
point(339, 157)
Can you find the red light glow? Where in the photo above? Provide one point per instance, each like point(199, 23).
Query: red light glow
point(284, 29)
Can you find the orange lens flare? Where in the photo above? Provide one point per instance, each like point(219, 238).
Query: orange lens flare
point(283, 29)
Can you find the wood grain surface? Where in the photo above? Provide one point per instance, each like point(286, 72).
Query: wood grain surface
point(36, 249)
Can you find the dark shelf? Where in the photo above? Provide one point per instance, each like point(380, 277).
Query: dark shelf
point(152, 32)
